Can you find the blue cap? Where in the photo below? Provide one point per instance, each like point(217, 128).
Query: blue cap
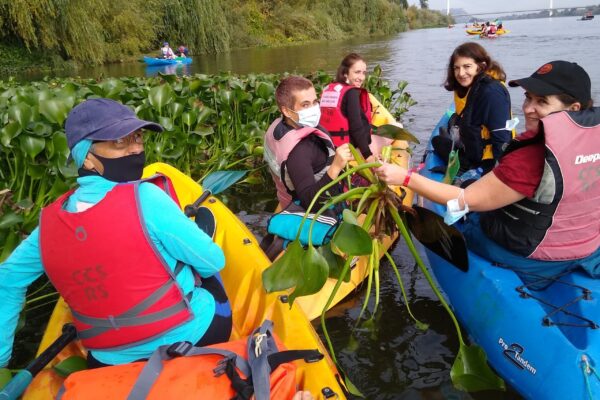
point(103, 119)
point(165, 43)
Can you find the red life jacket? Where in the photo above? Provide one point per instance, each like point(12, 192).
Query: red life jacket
point(562, 220)
point(104, 264)
point(332, 117)
point(277, 151)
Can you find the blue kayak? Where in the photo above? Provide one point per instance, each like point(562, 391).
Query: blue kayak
point(542, 352)
point(167, 61)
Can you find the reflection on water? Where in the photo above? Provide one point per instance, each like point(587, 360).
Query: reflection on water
point(173, 69)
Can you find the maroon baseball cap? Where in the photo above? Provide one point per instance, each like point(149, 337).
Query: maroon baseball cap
point(558, 77)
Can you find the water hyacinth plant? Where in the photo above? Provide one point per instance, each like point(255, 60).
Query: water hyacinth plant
point(373, 212)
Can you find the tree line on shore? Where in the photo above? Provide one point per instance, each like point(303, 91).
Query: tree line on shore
point(101, 31)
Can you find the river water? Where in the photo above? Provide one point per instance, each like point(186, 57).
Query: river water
point(395, 360)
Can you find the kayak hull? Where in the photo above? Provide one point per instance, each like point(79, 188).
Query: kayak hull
point(540, 362)
point(165, 61)
point(242, 278)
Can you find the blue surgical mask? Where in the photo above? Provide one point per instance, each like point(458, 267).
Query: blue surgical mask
point(309, 116)
point(453, 211)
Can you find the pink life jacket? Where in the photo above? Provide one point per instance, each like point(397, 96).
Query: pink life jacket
point(276, 153)
point(562, 220)
point(332, 117)
point(104, 264)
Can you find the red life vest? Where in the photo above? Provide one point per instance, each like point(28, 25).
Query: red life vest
point(277, 151)
point(562, 220)
point(104, 264)
point(332, 117)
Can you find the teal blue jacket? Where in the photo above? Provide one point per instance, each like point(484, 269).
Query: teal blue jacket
point(175, 236)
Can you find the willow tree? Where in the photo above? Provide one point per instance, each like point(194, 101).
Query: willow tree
point(199, 24)
point(88, 31)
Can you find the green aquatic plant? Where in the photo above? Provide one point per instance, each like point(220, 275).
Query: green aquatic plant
point(305, 269)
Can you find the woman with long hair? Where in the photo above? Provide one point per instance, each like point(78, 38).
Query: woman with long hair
point(482, 107)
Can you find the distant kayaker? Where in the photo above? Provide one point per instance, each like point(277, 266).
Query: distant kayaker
point(119, 250)
point(166, 51)
point(482, 107)
point(538, 209)
point(345, 106)
point(182, 51)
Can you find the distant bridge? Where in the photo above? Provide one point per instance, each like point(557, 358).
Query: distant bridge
point(550, 8)
point(517, 11)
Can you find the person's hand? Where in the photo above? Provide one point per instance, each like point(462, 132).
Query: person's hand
point(391, 174)
point(371, 159)
point(342, 156)
point(303, 395)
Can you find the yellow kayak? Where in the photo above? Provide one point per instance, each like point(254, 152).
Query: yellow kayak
point(478, 31)
point(250, 304)
point(313, 305)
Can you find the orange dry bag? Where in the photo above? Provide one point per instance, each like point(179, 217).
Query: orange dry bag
point(232, 370)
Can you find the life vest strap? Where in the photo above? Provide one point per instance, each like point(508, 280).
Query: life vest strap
point(132, 316)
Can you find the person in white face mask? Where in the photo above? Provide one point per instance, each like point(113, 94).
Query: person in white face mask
point(300, 154)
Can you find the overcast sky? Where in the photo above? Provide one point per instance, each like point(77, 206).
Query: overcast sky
point(474, 6)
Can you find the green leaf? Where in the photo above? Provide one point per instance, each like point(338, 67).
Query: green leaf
point(352, 240)
point(55, 110)
point(70, 365)
point(315, 272)
point(265, 90)
point(395, 132)
point(285, 272)
point(334, 261)
point(10, 219)
point(189, 118)
point(166, 122)
point(12, 240)
point(20, 113)
point(9, 132)
point(349, 216)
point(159, 96)
point(5, 377)
point(470, 371)
point(32, 145)
point(453, 167)
point(203, 131)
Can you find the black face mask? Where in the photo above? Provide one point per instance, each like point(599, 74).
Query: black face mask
point(123, 169)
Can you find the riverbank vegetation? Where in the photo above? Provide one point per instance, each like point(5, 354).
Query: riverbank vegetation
point(212, 122)
point(117, 31)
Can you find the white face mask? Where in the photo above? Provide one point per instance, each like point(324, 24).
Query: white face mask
point(309, 116)
point(453, 211)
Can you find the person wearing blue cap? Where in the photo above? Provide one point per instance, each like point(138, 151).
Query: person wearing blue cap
point(119, 250)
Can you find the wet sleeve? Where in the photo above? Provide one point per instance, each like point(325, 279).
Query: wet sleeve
point(359, 128)
point(19, 270)
point(179, 236)
point(496, 110)
point(300, 169)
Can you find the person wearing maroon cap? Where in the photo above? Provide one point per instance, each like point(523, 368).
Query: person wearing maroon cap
point(538, 210)
point(119, 250)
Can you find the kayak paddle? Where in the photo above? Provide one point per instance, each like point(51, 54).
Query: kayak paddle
point(17, 385)
point(444, 240)
point(214, 183)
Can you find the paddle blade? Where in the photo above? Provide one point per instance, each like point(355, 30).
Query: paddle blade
point(470, 371)
point(218, 181)
point(444, 240)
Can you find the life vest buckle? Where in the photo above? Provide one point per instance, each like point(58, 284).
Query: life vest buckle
point(179, 349)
